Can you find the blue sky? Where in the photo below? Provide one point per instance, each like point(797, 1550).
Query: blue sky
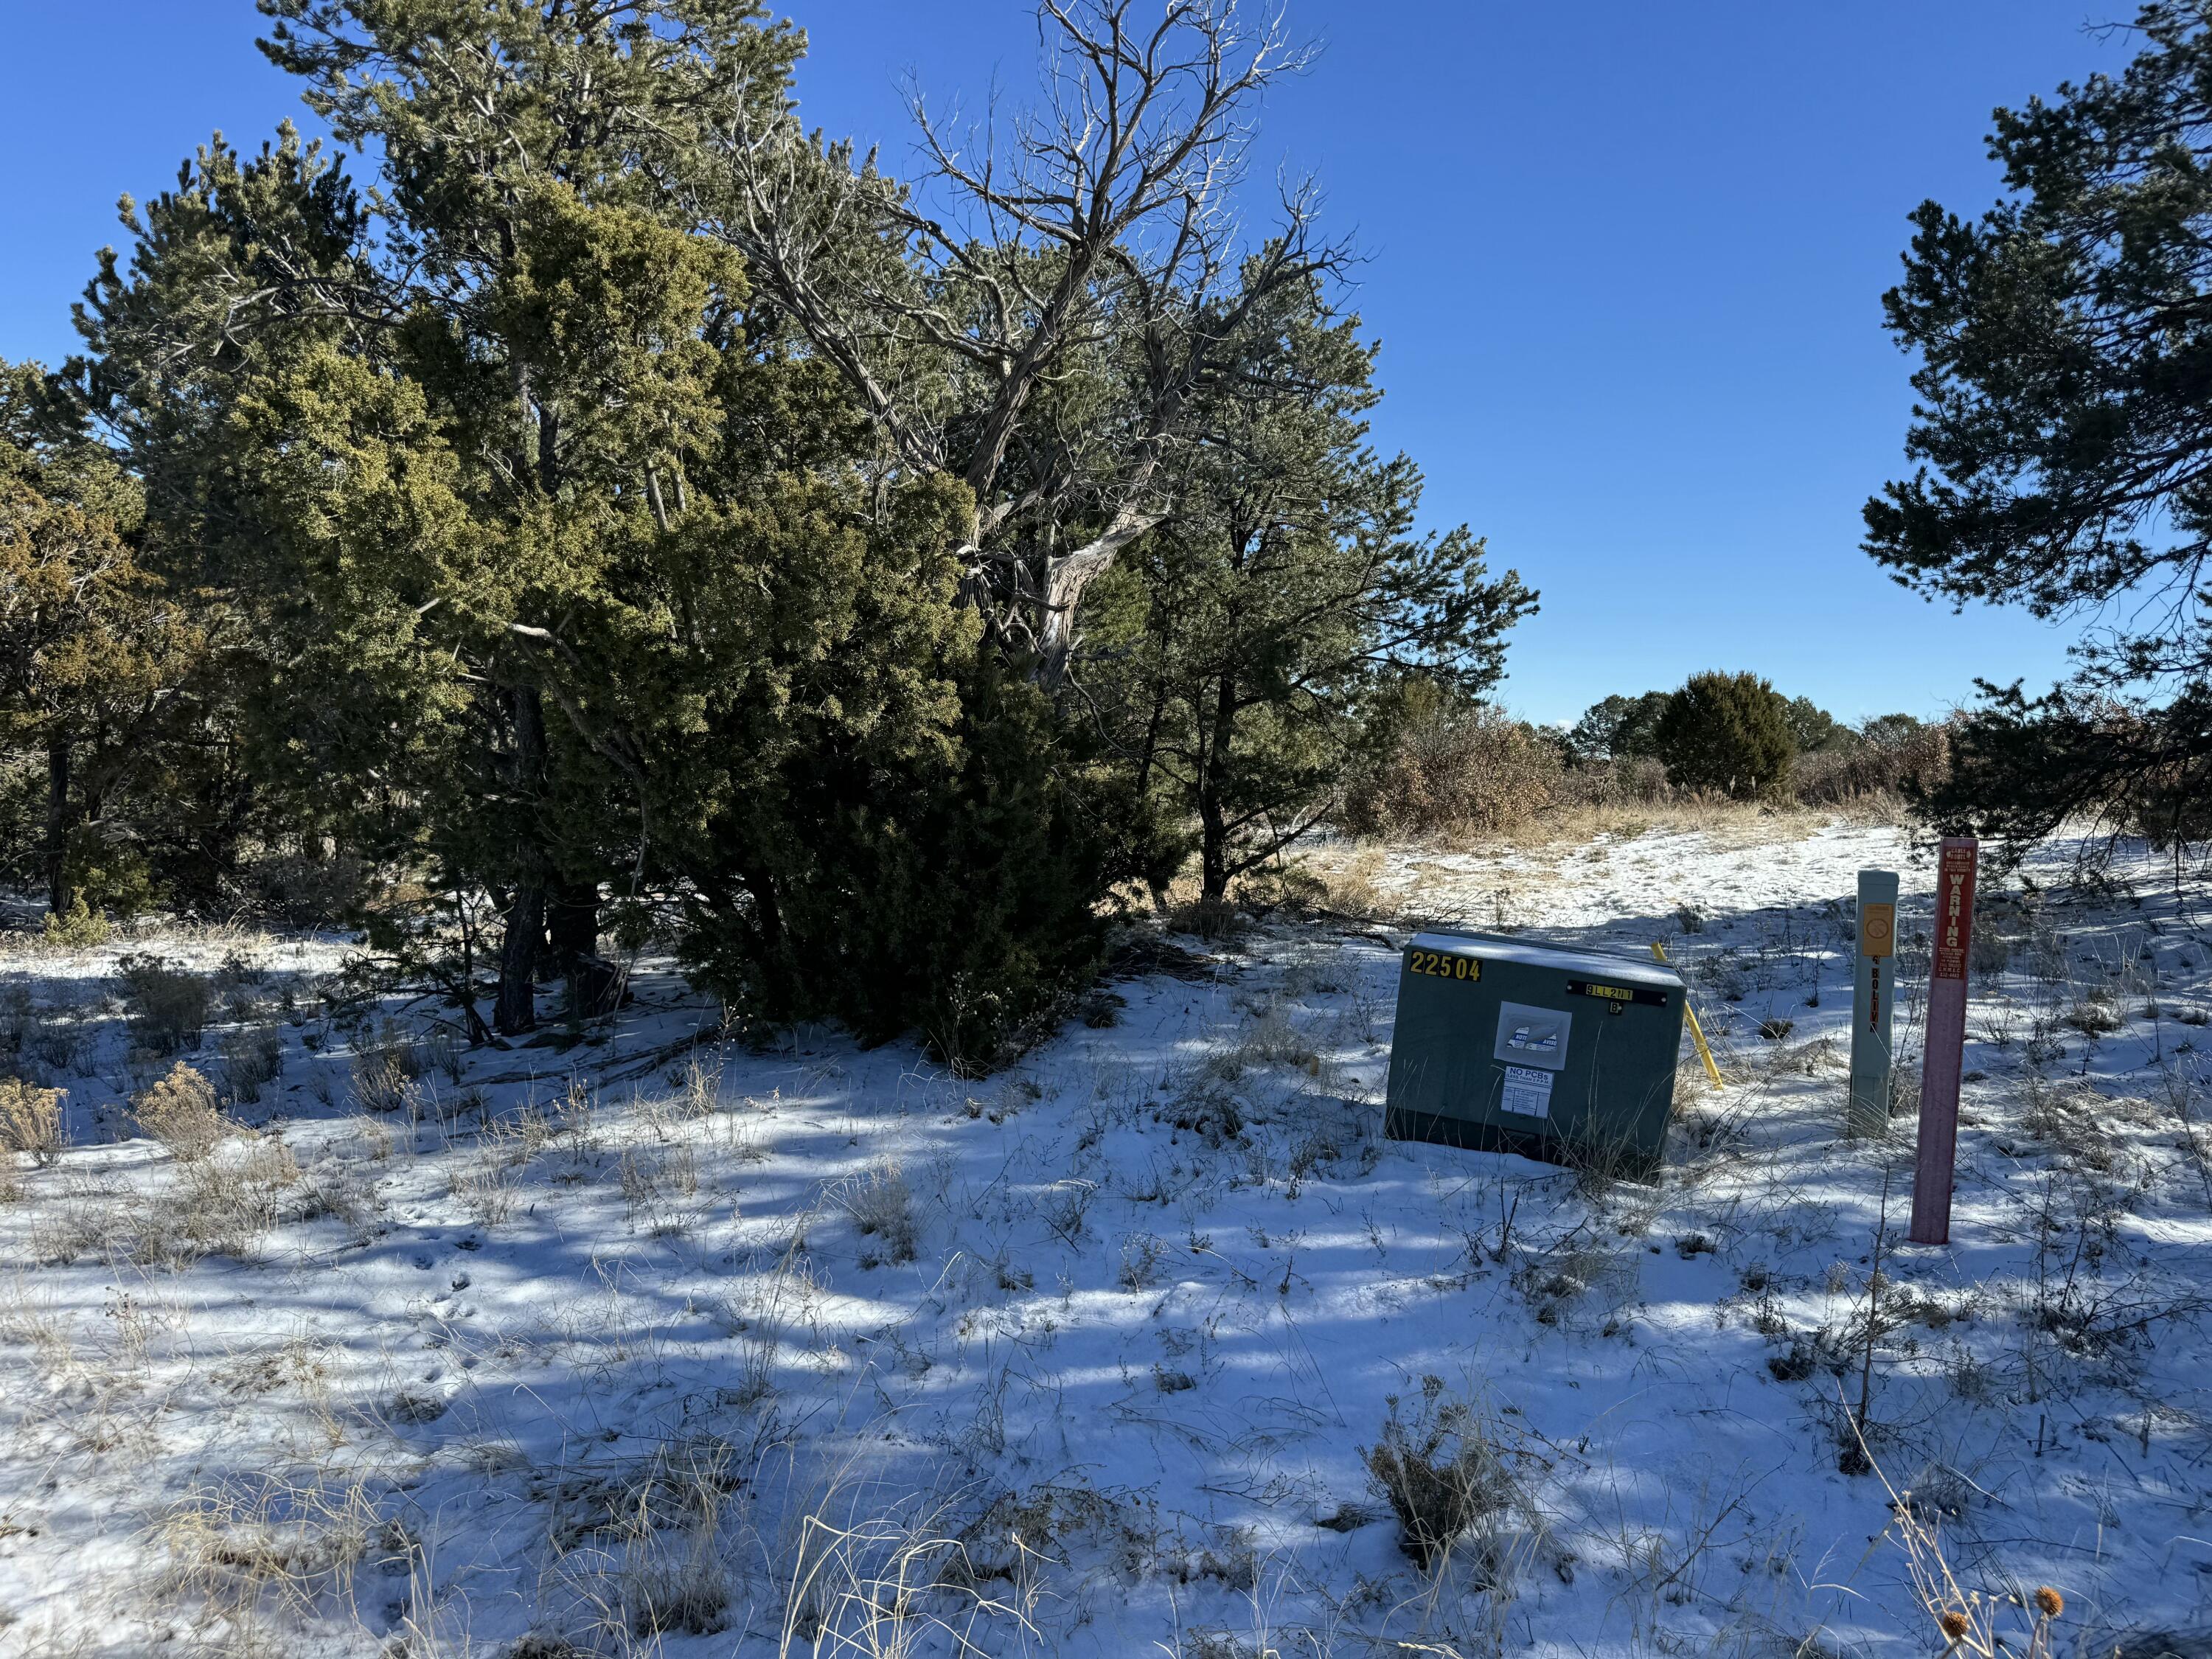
point(1625, 260)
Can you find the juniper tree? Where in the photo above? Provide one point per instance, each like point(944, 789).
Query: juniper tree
point(1813, 728)
point(559, 561)
point(2064, 428)
point(1728, 733)
point(556, 319)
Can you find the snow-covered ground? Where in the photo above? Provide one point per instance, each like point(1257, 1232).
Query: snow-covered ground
point(657, 1343)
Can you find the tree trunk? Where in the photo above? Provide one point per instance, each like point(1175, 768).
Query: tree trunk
point(516, 1010)
point(59, 892)
point(1150, 753)
point(1212, 775)
point(573, 931)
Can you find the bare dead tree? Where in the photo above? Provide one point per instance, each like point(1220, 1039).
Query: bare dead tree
point(1100, 247)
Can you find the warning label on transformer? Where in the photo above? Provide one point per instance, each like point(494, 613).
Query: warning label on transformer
point(1527, 1093)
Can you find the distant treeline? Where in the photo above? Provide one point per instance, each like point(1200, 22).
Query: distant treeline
point(1474, 770)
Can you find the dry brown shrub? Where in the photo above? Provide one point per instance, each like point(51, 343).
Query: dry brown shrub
point(1873, 766)
point(168, 1002)
point(181, 1112)
point(1630, 781)
point(30, 1120)
point(1455, 775)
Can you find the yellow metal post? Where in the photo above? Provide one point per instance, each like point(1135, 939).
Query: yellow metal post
point(1697, 1032)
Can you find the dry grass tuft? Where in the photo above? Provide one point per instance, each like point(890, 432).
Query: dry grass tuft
point(1356, 889)
point(221, 1207)
point(882, 1208)
point(250, 1551)
point(1443, 1473)
point(253, 1057)
point(385, 1071)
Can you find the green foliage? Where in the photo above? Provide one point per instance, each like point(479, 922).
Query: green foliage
point(1247, 647)
point(1813, 728)
point(1728, 733)
point(1619, 728)
point(484, 536)
point(79, 927)
point(94, 654)
point(954, 892)
point(1892, 731)
point(108, 871)
point(2020, 766)
point(2063, 421)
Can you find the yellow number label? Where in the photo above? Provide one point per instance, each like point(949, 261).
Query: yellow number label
point(1438, 965)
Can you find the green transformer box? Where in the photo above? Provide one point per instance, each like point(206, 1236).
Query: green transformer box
point(1563, 1055)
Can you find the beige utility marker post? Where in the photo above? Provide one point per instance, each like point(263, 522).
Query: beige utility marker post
point(1874, 999)
point(1697, 1032)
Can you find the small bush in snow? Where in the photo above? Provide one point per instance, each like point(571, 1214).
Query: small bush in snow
point(179, 1111)
point(77, 927)
point(251, 1059)
point(1442, 1472)
point(1140, 1261)
point(30, 1120)
point(168, 1002)
point(385, 1071)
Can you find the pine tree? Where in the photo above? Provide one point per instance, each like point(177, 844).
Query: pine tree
point(94, 656)
point(1618, 727)
point(2064, 420)
point(1249, 640)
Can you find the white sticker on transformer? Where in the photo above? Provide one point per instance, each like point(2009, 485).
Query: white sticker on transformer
point(1532, 1036)
point(1527, 1093)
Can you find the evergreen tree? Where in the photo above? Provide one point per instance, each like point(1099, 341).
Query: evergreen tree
point(563, 569)
point(95, 658)
point(2064, 418)
point(557, 322)
point(1618, 727)
point(1813, 728)
point(1728, 733)
point(1248, 641)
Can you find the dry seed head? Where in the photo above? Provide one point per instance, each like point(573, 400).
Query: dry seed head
point(1953, 1624)
point(2049, 1602)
